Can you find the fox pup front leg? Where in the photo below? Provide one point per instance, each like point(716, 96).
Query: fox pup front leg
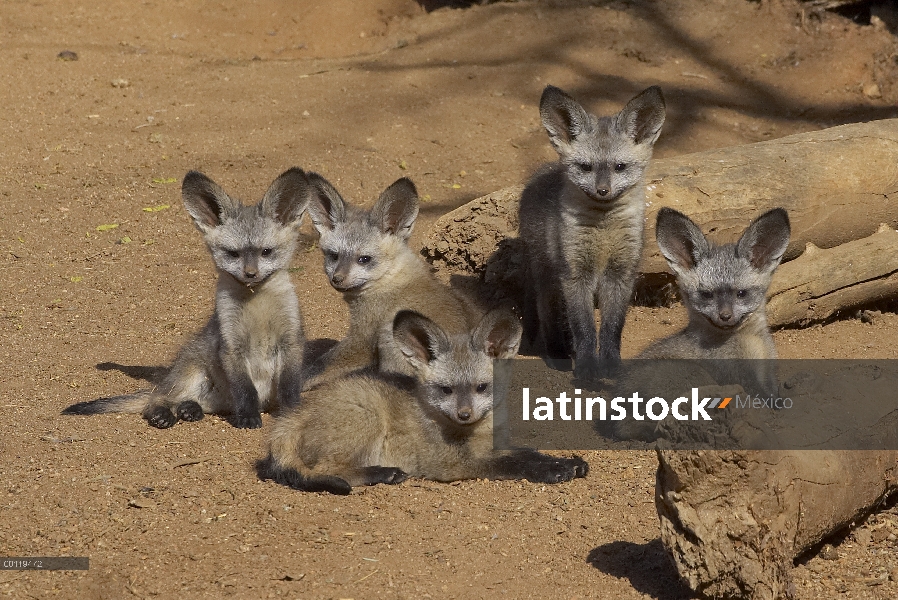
point(578, 299)
point(247, 414)
point(615, 290)
point(290, 380)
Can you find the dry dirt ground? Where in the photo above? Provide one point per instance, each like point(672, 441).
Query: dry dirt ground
point(363, 92)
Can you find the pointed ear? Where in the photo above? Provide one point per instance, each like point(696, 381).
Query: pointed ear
point(287, 197)
point(498, 334)
point(419, 339)
point(563, 118)
point(681, 241)
point(205, 201)
point(326, 206)
point(396, 209)
point(766, 239)
point(643, 116)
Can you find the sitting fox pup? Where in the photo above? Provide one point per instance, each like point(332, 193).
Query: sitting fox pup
point(582, 221)
point(368, 260)
point(368, 428)
point(724, 288)
point(248, 357)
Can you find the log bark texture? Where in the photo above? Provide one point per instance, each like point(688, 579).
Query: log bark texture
point(820, 283)
point(735, 520)
point(838, 185)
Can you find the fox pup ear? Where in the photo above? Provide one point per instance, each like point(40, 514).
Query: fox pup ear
point(287, 197)
point(766, 239)
point(563, 118)
point(396, 209)
point(326, 206)
point(419, 339)
point(681, 241)
point(643, 116)
point(498, 334)
point(205, 201)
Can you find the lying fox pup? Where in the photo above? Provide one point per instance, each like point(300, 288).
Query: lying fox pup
point(368, 428)
point(367, 259)
point(248, 357)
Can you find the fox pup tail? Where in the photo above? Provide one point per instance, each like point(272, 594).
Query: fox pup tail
point(268, 468)
point(129, 403)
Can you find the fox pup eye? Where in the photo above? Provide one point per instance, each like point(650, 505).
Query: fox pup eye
point(585, 167)
point(705, 294)
point(364, 260)
point(742, 293)
point(233, 253)
point(620, 167)
point(481, 388)
point(446, 389)
point(267, 251)
point(331, 255)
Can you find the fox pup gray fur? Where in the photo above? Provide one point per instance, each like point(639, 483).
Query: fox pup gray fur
point(367, 259)
point(581, 219)
point(437, 424)
point(724, 288)
point(248, 357)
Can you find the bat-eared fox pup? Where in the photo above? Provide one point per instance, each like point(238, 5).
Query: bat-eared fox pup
point(368, 260)
point(581, 220)
point(248, 357)
point(437, 424)
point(724, 287)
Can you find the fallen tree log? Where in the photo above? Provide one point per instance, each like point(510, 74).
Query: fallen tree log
point(820, 283)
point(734, 521)
point(838, 185)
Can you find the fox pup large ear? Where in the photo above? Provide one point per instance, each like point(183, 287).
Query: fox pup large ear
point(498, 334)
point(681, 241)
point(419, 339)
point(766, 239)
point(643, 116)
point(287, 197)
point(563, 118)
point(205, 201)
point(326, 206)
point(396, 209)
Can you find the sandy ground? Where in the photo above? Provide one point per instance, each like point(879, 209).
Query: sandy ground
point(363, 92)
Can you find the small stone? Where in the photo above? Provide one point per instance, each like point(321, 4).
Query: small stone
point(863, 536)
point(120, 83)
point(872, 91)
point(828, 552)
point(67, 55)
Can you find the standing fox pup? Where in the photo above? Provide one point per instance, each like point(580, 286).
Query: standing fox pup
point(581, 220)
point(724, 288)
point(437, 424)
point(248, 356)
point(367, 259)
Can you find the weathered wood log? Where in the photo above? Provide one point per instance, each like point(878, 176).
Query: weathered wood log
point(820, 283)
point(838, 185)
point(734, 521)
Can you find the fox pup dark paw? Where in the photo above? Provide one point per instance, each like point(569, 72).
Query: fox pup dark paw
point(593, 370)
point(388, 475)
point(243, 421)
point(189, 411)
point(161, 417)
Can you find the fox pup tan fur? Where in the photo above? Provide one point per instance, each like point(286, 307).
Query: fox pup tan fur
point(368, 427)
point(367, 259)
